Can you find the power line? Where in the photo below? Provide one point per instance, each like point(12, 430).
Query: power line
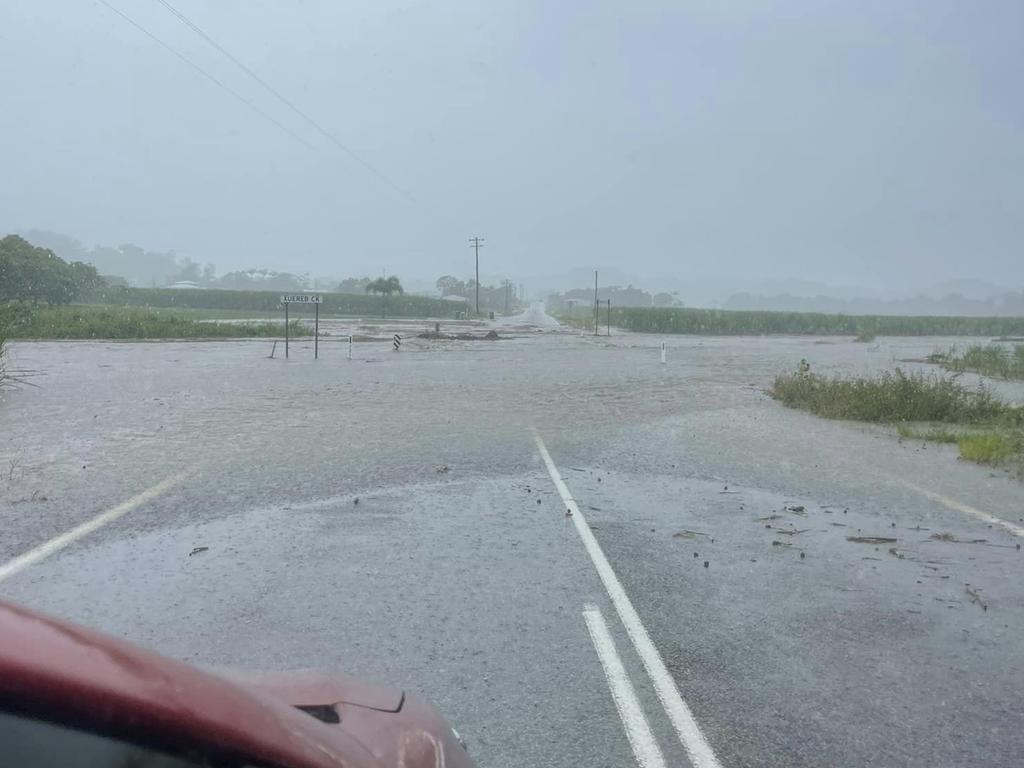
point(209, 77)
point(281, 97)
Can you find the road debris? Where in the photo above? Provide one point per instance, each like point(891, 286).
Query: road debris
point(441, 468)
point(687, 534)
point(197, 550)
point(568, 512)
point(797, 508)
point(975, 595)
point(767, 517)
point(871, 539)
point(954, 540)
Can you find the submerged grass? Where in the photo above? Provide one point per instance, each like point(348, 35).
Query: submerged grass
point(927, 407)
point(891, 397)
point(723, 322)
point(931, 434)
point(994, 360)
point(992, 448)
point(90, 322)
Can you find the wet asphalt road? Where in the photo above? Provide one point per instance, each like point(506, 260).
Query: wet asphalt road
point(458, 575)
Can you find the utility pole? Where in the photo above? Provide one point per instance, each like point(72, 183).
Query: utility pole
point(476, 245)
point(596, 304)
point(508, 285)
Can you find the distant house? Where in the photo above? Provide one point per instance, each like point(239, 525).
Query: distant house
point(452, 297)
point(183, 284)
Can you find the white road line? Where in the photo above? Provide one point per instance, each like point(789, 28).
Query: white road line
point(967, 509)
point(58, 543)
point(697, 747)
point(638, 730)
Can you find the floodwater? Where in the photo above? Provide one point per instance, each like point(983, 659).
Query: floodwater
point(389, 516)
point(122, 411)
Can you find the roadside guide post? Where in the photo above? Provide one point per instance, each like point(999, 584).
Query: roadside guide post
point(397, 342)
point(350, 346)
point(663, 353)
point(302, 298)
point(609, 316)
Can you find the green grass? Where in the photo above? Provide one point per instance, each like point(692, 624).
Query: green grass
point(865, 337)
point(934, 408)
point(932, 434)
point(998, 362)
point(85, 322)
point(992, 447)
point(891, 397)
point(727, 322)
point(259, 303)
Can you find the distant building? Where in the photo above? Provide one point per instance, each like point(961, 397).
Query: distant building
point(452, 297)
point(183, 284)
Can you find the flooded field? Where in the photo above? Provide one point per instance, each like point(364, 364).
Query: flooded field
point(106, 412)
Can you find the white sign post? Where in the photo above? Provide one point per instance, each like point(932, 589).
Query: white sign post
point(303, 298)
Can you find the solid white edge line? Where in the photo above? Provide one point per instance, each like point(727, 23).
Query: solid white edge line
point(58, 543)
point(638, 730)
point(697, 747)
point(967, 509)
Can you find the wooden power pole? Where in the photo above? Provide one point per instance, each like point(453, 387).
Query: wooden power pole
point(476, 245)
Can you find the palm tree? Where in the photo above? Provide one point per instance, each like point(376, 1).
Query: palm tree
point(385, 287)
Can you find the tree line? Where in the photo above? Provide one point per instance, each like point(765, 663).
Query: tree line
point(34, 274)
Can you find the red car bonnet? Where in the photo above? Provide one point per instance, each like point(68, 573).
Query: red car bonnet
point(47, 662)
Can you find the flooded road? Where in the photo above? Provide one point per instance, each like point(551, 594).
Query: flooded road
point(391, 516)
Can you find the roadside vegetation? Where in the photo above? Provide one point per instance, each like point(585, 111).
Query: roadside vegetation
point(994, 360)
point(936, 408)
point(720, 322)
point(24, 321)
point(263, 302)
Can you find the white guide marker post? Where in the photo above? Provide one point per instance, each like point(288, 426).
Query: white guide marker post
point(663, 353)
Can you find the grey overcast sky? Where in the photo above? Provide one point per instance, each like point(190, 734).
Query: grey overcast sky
point(869, 143)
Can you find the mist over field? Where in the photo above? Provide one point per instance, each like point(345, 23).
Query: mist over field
point(861, 152)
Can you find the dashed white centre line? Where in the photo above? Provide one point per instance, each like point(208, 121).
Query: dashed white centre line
point(697, 747)
point(58, 543)
point(638, 730)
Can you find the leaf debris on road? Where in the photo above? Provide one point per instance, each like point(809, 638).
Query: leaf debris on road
point(975, 595)
point(871, 539)
point(954, 540)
